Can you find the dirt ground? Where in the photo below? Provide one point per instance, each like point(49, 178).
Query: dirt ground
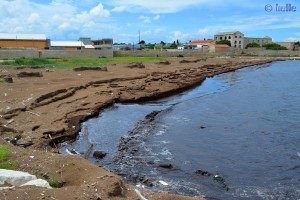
point(44, 107)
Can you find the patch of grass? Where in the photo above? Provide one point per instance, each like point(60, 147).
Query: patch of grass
point(1, 81)
point(4, 162)
point(4, 153)
point(55, 183)
point(102, 62)
point(62, 63)
point(28, 61)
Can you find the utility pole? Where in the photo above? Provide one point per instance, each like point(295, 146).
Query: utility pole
point(139, 36)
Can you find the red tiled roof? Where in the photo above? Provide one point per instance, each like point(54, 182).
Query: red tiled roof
point(201, 41)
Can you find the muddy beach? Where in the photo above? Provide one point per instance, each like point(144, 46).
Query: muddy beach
point(40, 108)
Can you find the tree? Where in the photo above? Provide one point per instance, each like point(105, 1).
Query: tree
point(274, 46)
point(224, 42)
point(173, 46)
point(253, 44)
point(297, 43)
point(142, 42)
point(162, 43)
point(177, 42)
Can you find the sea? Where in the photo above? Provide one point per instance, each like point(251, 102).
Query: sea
point(235, 136)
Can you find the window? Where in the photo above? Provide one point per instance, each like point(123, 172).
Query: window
point(234, 42)
point(229, 37)
point(235, 45)
point(221, 38)
point(240, 42)
point(240, 36)
point(240, 46)
point(216, 38)
point(225, 38)
point(235, 36)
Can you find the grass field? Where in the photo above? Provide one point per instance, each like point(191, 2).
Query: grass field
point(61, 63)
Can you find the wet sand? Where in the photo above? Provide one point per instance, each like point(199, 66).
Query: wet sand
point(47, 108)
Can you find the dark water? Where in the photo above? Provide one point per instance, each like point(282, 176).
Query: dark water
point(243, 126)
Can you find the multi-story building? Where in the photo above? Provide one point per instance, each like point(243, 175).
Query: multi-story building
point(238, 40)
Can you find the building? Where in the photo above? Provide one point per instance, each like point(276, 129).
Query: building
point(260, 41)
point(105, 43)
point(24, 41)
point(126, 46)
point(199, 44)
point(238, 40)
point(288, 45)
point(66, 45)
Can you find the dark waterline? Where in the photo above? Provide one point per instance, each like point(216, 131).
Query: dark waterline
point(242, 125)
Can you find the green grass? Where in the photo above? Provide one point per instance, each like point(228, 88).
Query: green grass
point(4, 162)
point(62, 63)
point(28, 61)
point(54, 183)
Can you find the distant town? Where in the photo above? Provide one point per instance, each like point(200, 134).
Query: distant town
point(223, 40)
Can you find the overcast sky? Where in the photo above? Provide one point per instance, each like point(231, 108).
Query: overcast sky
point(157, 20)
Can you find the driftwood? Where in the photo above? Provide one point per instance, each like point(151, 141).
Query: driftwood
point(89, 151)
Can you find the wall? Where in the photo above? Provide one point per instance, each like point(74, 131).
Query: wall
point(11, 54)
point(288, 45)
point(161, 53)
point(35, 44)
point(218, 52)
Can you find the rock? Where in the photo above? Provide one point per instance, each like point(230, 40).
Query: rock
point(15, 178)
point(37, 183)
point(99, 154)
point(166, 166)
point(24, 143)
point(203, 173)
point(8, 79)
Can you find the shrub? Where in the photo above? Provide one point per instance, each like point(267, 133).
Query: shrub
point(224, 42)
point(274, 46)
point(253, 44)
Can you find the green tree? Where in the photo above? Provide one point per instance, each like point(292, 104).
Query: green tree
point(173, 46)
point(253, 44)
point(297, 43)
point(274, 46)
point(162, 43)
point(224, 42)
point(142, 42)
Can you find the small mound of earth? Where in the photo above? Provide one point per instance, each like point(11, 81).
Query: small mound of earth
point(30, 74)
point(90, 68)
point(136, 65)
point(164, 63)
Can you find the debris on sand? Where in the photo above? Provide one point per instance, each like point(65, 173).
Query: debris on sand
point(90, 68)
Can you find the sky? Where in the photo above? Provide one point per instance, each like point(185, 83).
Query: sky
point(152, 21)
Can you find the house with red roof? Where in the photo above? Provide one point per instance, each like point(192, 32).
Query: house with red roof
point(199, 44)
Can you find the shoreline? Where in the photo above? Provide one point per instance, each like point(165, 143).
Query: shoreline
point(79, 100)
